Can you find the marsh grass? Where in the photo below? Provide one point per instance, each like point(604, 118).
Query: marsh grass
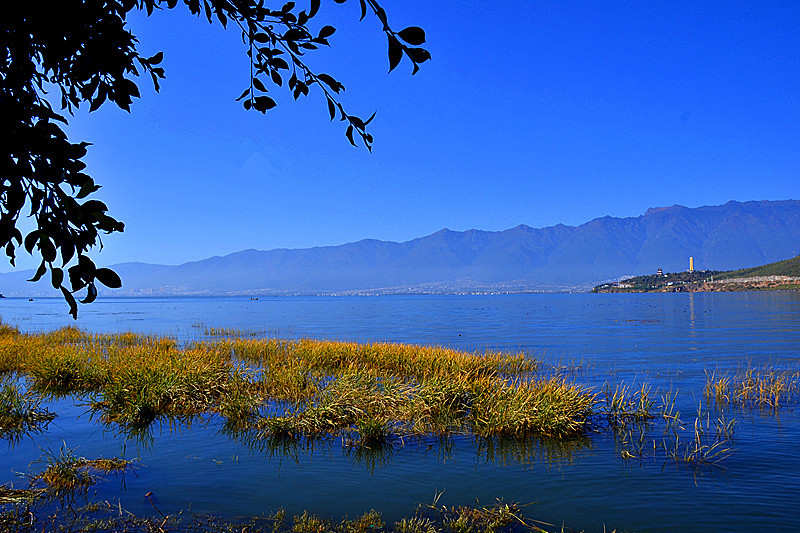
point(31, 513)
point(329, 387)
point(381, 359)
point(66, 473)
point(767, 389)
point(701, 448)
point(232, 332)
point(10, 495)
point(20, 413)
point(625, 404)
point(472, 519)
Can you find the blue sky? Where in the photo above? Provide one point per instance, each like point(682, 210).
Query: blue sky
point(532, 113)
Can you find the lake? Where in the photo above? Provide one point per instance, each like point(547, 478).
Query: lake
point(668, 341)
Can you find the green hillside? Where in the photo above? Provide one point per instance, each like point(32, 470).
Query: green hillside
point(788, 267)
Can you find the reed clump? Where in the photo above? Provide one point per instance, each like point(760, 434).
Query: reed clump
point(625, 404)
point(766, 389)
point(551, 407)
point(66, 473)
point(145, 382)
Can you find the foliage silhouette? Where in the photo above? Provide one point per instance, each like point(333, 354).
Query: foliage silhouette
point(81, 51)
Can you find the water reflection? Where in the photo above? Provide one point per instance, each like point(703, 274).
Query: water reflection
point(506, 451)
point(499, 451)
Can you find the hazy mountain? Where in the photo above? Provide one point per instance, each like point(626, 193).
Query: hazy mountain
point(731, 236)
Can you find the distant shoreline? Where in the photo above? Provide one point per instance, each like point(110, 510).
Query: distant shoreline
point(744, 284)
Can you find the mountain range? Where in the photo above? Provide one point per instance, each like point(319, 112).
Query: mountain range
point(726, 237)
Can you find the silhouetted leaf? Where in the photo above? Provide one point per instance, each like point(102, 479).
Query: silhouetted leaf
point(57, 277)
point(73, 306)
point(47, 248)
point(413, 35)
point(330, 82)
point(326, 32)
point(263, 103)
point(314, 8)
point(108, 277)
point(331, 108)
point(419, 55)
point(395, 52)
point(91, 294)
point(39, 273)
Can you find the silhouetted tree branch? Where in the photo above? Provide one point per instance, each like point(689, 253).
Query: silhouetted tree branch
point(82, 51)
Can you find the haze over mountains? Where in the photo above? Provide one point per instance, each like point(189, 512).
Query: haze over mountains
point(731, 236)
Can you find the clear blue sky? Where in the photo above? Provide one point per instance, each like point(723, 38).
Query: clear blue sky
point(532, 113)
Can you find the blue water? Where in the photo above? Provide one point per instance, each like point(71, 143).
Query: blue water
point(665, 340)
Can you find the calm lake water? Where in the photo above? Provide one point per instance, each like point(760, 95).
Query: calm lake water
point(666, 340)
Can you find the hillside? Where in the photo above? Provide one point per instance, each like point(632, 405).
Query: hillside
point(788, 267)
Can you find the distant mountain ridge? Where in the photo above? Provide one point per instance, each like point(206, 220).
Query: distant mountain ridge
point(731, 236)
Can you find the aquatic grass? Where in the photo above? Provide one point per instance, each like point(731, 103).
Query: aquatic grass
point(240, 404)
point(700, 450)
point(232, 332)
point(292, 382)
point(369, 522)
point(20, 413)
point(347, 399)
point(329, 386)
point(373, 432)
point(10, 495)
point(309, 523)
point(472, 519)
point(64, 370)
point(624, 404)
point(406, 360)
point(551, 407)
point(767, 389)
point(415, 524)
point(144, 383)
point(281, 427)
point(66, 473)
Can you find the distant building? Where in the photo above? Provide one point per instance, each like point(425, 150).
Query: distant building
point(659, 272)
point(691, 264)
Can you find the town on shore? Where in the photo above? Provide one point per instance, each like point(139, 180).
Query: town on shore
point(780, 276)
